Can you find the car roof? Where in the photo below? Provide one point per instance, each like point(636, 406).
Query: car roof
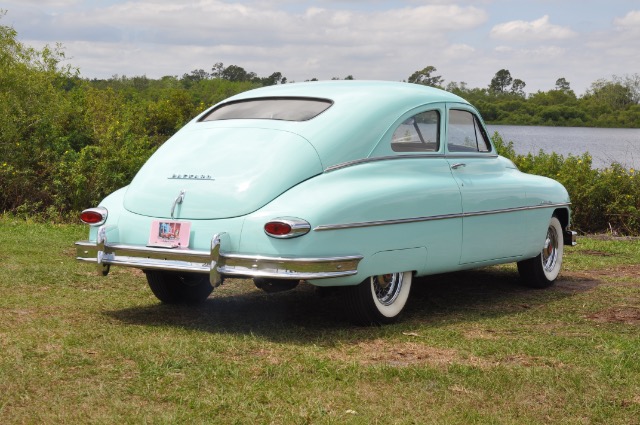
point(337, 90)
point(362, 112)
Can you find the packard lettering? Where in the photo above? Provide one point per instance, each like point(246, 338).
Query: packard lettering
point(179, 176)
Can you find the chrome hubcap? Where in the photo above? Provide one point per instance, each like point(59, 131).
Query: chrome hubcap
point(387, 287)
point(550, 251)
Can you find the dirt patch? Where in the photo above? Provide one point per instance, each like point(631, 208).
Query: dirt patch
point(625, 315)
point(608, 237)
point(480, 334)
point(270, 356)
point(619, 271)
point(595, 253)
point(402, 354)
point(576, 282)
point(530, 361)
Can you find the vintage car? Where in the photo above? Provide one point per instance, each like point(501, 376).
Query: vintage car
point(354, 184)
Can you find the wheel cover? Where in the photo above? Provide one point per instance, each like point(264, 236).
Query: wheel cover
point(550, 250)
point(387, 287)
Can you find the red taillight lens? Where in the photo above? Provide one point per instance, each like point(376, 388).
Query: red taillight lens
point(287, 227)
point(94, 215)
point(277, 228)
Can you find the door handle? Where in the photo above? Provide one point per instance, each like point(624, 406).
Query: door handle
point(458, 165)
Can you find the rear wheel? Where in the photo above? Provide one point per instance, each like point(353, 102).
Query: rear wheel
point(179, 288)
point(542, 270)
point(379, 299)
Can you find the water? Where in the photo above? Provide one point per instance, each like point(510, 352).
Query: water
point(606, 145)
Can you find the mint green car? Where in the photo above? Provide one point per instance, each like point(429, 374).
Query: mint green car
point(354, 184)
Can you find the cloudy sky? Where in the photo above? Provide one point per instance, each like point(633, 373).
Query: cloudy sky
point(538, 41)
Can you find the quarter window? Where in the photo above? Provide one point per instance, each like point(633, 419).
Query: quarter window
point(465, 134)
point(420, 133)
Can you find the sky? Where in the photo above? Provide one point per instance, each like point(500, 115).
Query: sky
point(538, 41)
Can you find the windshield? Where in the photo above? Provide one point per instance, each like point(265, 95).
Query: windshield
point(285, 109)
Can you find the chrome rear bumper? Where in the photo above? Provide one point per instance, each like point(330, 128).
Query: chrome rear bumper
point(216, 263)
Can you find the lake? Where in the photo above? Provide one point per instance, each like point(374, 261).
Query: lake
point(606, 145)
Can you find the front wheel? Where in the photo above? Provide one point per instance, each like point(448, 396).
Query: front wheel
point(542, 270)
point(379, 299)
point(175, 288)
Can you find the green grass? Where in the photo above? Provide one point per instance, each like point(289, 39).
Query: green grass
point(473, 347)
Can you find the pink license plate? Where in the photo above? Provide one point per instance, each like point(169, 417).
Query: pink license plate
point(170, 234)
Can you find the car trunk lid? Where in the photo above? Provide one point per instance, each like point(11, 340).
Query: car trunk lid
point(221, 172)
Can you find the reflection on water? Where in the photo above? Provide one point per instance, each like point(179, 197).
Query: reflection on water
point(606, 145)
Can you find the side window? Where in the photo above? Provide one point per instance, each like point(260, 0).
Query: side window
point(420, 133)
point(465, 133)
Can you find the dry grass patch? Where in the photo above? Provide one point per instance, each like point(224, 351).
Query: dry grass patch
point(629, 315)
point(384, 352)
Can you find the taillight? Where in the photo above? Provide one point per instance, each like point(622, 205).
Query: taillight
point(285, 228)
point(94, 216)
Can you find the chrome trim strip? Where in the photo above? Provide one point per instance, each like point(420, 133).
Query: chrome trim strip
point(216, 263)
point(417, 156)
point(379, 158)
point(325, 227)
point(471, 156)
point(508, 210)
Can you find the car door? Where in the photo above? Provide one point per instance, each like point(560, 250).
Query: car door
point(488, 188)
point(414, 146)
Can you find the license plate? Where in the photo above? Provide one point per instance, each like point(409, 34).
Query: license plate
point(170, 234)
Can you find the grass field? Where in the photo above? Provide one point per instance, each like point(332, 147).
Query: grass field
point(473, 347)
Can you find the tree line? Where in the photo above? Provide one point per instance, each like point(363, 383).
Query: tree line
point(611, 102)
point(67, 141)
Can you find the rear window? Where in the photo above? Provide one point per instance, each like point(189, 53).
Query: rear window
point(284, 109)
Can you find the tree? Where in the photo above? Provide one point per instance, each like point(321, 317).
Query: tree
point(563, 85)
point(611, 93)
point(517, 87)
point(456, 88)
point(197, 75)
point(632, 83)
point(501, 81)
point(425, 77)
point(217, 70)
point(273, 79)
point(236, 73)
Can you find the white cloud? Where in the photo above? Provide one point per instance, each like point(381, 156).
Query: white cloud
point(160, 37)
point(459, 52)
point(540, 53)
point(52, 3)
point(537, 30)
point(631, 21)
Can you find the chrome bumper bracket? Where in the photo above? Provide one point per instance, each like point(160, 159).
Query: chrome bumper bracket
point(570, 238)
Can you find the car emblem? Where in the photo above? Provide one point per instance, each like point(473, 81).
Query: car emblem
point(182, 176)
